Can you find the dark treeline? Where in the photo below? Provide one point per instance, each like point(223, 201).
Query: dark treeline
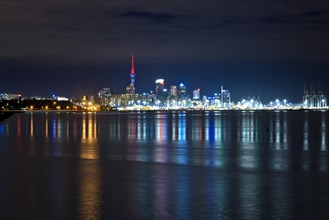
point(37, 105)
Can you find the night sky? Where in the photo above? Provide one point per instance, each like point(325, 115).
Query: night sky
point(76, 47)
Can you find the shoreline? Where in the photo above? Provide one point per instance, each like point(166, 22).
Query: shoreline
point(160, 110)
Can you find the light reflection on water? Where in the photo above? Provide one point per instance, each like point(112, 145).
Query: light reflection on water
point(306, 133)
point(90, 192)
point(324, 133)
point(235, 165)
point(201, 138)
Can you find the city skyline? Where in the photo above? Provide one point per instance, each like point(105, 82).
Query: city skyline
point(250, 47)
point(307, 86)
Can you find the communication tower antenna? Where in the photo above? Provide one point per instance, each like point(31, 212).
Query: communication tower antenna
point(305, 88)
point(319, 89)
point(312, 88)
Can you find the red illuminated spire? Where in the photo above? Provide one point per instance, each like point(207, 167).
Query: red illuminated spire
point(132, 72)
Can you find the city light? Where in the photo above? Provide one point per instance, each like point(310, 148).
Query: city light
point(160, 81)
point(174, 98)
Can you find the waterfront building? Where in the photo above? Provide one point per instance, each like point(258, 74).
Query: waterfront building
point(159, 86)
point(122, 100)
point(225, 98)
point(182, 91)
point(160, 92)
point(165, 93)
point(9, 96)
point(173, 91)
point(58, 98)
point(196, 94)
point(104, 96)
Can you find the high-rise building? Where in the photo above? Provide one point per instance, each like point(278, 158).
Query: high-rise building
point(225, 97)
point(131, 88)
point(182, 91)
point(196, 94)
point(173, 91)
point(159, 86)
point(104, 96)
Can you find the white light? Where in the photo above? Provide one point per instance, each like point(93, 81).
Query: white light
point(161, 81)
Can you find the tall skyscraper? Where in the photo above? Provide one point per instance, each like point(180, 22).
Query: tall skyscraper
point(173, 91)
point(159, 86)
point(131, 88)
point(104, 96)
point(182, 91)
point(225, 97)
point(196, 94)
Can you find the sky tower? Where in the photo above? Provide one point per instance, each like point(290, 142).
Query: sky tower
point(131, 88)
point(132, 72)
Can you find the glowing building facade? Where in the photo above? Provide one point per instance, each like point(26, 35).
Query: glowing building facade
point(182, 91)
point(173, 91)
point(104, 96)
point(196, 94)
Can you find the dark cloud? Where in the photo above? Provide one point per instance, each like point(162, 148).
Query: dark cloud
point(312, 17)
point(155, 17)
point(315, 13)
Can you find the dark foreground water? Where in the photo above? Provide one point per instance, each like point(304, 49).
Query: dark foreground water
point(173, 165)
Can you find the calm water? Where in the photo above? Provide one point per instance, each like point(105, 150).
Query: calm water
point(178, 165)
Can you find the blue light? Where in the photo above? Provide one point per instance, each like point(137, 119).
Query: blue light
point(181, 84)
